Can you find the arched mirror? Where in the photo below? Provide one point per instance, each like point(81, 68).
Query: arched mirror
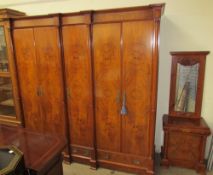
point(186, 89)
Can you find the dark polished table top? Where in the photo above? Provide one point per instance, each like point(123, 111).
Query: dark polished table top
point(38, 149)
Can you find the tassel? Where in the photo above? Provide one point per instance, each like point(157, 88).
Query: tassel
point(123, 109)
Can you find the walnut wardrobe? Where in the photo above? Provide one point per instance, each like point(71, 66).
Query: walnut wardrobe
point(92, 77)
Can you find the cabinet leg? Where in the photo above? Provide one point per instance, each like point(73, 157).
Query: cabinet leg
point(201, 169)
point(148, 173)
point(93, 164)
point(164, 163)
point(67, 158)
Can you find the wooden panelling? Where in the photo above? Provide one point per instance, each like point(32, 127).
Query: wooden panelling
point(77, 54)
point(118, 16)
point(76, 19)
point(28, 77)
point(50, 79)
point(81, 151)
point(189, 149)
point(107, 72)
point(9, 13)
point(40, 78)
point(184, 142)
point(36, 21)
point(108, 56)
point(125, 162)
point(137, 57)
point(123, 158)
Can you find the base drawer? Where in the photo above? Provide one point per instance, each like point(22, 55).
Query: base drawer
point(125, 162)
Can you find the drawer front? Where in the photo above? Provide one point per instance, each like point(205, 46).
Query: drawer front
point(81, 151)
point(132, 160)
point(184, 146)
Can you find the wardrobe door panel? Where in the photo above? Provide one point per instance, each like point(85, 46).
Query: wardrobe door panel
point(107, 72)
point(137, 56)
point(27, 75)
point(77, 54)
point(50, 79)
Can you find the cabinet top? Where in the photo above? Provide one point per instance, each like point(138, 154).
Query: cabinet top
point(182, 53)
point(185, 125)
point(9, 13)
point(149, 12)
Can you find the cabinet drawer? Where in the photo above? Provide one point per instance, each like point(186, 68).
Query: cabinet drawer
point(81, 151)
point(123, 158)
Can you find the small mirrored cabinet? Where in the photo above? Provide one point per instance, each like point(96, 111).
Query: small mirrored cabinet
point(10, 112)
point(185, 131)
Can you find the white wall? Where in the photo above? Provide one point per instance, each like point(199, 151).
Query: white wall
point(187, 25)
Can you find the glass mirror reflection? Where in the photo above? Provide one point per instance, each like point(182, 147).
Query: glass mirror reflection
point(186, 87)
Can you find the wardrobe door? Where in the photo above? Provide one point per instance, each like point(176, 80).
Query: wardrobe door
point(137, 56)
point(107, 72)
point(77, 55)
point(27, 75)
point(50, 79)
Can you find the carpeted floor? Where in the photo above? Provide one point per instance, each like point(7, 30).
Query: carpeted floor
point(80, 169)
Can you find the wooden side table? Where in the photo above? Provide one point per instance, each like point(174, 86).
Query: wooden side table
point(184, 143)
point(185, 131)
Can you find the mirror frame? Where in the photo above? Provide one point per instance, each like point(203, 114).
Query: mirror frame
point(187, 58)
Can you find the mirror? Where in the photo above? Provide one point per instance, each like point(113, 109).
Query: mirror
point(186, 87)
